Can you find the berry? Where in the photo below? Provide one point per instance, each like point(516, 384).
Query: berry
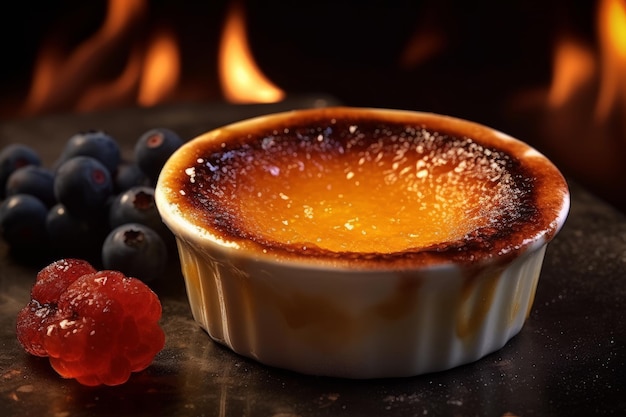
point(23, 221)
point(136, 205)
point(97, 326)
point(73, 236)
point(96, 144)
point(129, 175)
point(90, 191)
point(12, 157)
point(136, 250)
point(154, 148)
point(83, 185)
point(34, 180)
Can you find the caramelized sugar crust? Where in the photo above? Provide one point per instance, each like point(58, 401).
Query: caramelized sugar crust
point(353, 188)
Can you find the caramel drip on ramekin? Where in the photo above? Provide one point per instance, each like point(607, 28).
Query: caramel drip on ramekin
point(477, 295)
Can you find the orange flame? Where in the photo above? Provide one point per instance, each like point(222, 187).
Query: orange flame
point(612, 36)
point(161, 70)
point(574, 65)
point(76, 81)
point(242, 81)
point(81, 80)
point(107, 95)
point(61, 80)
point(577, 67)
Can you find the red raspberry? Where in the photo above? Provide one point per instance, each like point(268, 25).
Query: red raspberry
point(53, 280)
point(105, 327)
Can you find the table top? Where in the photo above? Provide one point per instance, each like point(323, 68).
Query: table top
point(569, 358)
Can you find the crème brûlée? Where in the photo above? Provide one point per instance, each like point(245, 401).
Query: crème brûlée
point(350, 188)
point(361, 243)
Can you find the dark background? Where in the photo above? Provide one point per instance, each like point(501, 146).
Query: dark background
point(486, 61)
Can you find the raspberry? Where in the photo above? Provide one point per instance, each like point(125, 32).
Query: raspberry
point(102, 327)
point(51, 282)
point(54, 279)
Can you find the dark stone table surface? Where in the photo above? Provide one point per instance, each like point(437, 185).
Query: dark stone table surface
point(568, 360)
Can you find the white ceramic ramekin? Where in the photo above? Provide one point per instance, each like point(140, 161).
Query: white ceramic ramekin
point(362, 315)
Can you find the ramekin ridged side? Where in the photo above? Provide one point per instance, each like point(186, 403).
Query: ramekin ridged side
point(356, 324)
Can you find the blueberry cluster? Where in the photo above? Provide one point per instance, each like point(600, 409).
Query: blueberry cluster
point(91, 204)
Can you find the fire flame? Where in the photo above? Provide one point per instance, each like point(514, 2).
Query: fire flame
point(161, 70)
point(61, 80)
point(576, 65)
point(612, 36)
point(242, 81)
point(75, 80)
point(149, 73)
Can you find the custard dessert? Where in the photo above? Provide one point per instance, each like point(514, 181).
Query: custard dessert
point(361, 243)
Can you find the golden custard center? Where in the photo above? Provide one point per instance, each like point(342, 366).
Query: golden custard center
point(389, 195)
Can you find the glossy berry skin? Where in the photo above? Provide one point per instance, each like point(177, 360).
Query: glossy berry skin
point(83, 185)
point(96, 144)
point(136, 250)
point(97, 327)
point(73, 236)
point(15, 156)
point(153, 149)
point(23, 221)
point(34, 180)
point(137, 205)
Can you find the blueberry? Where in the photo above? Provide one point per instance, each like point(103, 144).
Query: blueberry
point(129, 175)
point(136, 205)
point(154, 148)
point(136, 250)
point(73, 236)
point(15, 156)
point(34, 180)
point(23, 221)
point(83, 185)
point(96, 144)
